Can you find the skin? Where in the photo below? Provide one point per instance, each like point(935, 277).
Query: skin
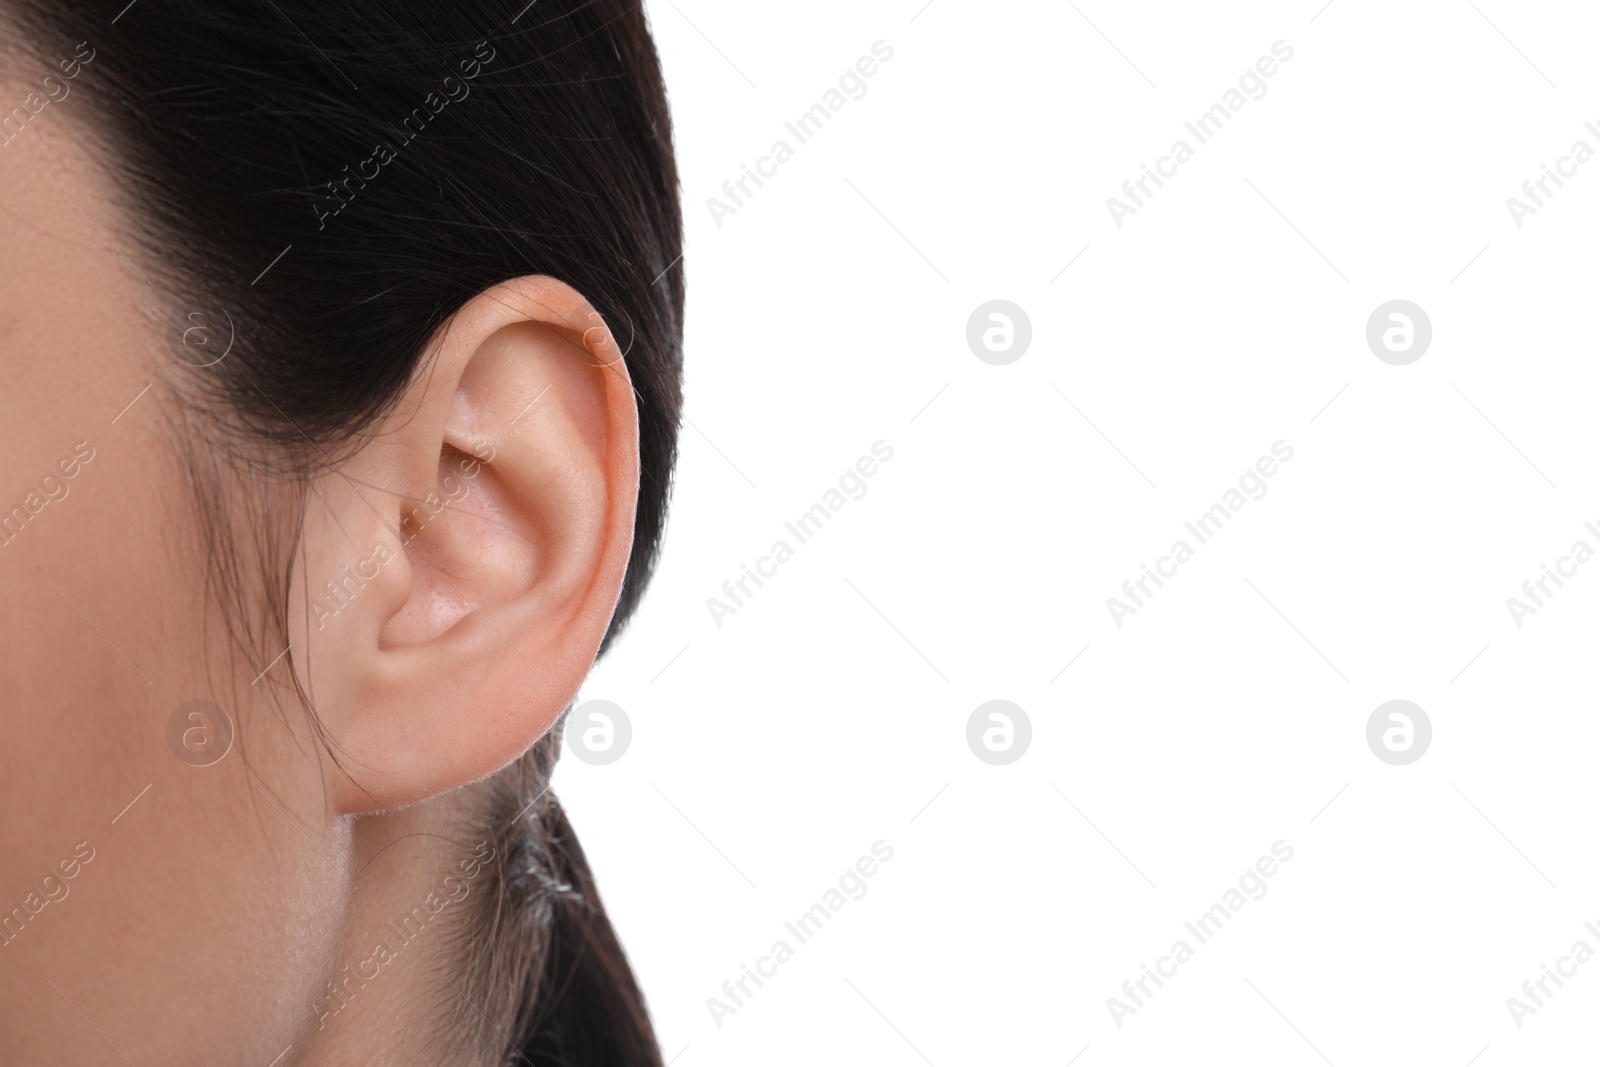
point(219, 904)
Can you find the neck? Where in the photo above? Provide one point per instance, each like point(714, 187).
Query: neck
point(392, 992)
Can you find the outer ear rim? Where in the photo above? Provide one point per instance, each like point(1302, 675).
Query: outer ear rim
point(370, 775)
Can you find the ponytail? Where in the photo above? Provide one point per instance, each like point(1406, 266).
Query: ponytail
point(542, 949)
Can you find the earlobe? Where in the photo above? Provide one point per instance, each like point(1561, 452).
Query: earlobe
point(466, 561)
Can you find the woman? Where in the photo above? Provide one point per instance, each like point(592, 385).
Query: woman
point(344, 350)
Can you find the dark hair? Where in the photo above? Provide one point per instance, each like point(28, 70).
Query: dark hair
point(335, 178)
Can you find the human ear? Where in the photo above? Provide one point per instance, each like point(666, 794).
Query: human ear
point(460, 568)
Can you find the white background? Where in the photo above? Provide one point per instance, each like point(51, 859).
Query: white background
point(829, 312)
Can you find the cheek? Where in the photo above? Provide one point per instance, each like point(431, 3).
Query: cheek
point(106, 629)
point(193, 870)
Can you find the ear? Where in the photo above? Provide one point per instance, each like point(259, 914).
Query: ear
point(460, 569)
